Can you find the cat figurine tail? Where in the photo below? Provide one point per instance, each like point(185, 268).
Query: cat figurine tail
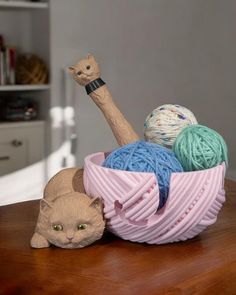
point(68, 218)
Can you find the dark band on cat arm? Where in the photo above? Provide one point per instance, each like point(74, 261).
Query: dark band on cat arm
point(93, 85)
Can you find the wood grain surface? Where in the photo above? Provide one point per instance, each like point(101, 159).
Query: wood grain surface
point(203, 265)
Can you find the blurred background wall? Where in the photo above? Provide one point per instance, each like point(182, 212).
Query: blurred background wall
point(151, 52)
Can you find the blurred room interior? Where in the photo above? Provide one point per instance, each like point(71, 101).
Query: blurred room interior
point(150, 52)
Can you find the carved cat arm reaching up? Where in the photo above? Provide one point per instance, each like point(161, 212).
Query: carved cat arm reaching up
point(87, 73)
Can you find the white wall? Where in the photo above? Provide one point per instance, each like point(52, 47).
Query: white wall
point(151, 52)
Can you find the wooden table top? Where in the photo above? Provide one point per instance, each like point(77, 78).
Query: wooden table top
point(203, 265)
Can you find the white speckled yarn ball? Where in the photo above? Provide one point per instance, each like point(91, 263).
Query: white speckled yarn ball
point(164, 123)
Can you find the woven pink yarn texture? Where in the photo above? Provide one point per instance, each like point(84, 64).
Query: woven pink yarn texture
point(131, 200)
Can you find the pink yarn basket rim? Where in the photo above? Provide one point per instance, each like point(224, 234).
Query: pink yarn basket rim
point(89, 159)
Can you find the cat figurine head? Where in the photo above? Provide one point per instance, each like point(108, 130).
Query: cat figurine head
point(71, 221)
point(85, 71)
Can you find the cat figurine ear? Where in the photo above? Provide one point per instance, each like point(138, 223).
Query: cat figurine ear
point(45, 206)
point(97, 204)
point(91, 58)
point(71, 69)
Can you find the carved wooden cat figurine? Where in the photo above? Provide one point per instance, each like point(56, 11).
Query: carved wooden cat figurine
point(68, 218)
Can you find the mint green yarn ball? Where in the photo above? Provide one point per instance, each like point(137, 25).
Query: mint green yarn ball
point(198, 147)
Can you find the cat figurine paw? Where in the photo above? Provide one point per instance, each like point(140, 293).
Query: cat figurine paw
point(38, 241)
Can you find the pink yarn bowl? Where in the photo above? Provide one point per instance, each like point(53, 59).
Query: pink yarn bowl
point(131, 200)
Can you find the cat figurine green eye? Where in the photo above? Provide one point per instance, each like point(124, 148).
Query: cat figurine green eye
point(68, 218)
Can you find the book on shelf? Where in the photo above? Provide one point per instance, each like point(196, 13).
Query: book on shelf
point(7, 63)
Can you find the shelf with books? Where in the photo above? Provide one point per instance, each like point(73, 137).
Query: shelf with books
point(7, 63)
point(28, 72)
point(38, 87)
point(23, 4)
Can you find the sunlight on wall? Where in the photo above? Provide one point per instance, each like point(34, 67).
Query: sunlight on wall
point(63, 135)
point(60, 159)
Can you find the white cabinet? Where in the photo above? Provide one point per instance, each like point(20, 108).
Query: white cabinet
point(13, 155)
point(21, 144)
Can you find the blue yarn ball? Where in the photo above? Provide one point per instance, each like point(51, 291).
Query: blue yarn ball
point(143, 156)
